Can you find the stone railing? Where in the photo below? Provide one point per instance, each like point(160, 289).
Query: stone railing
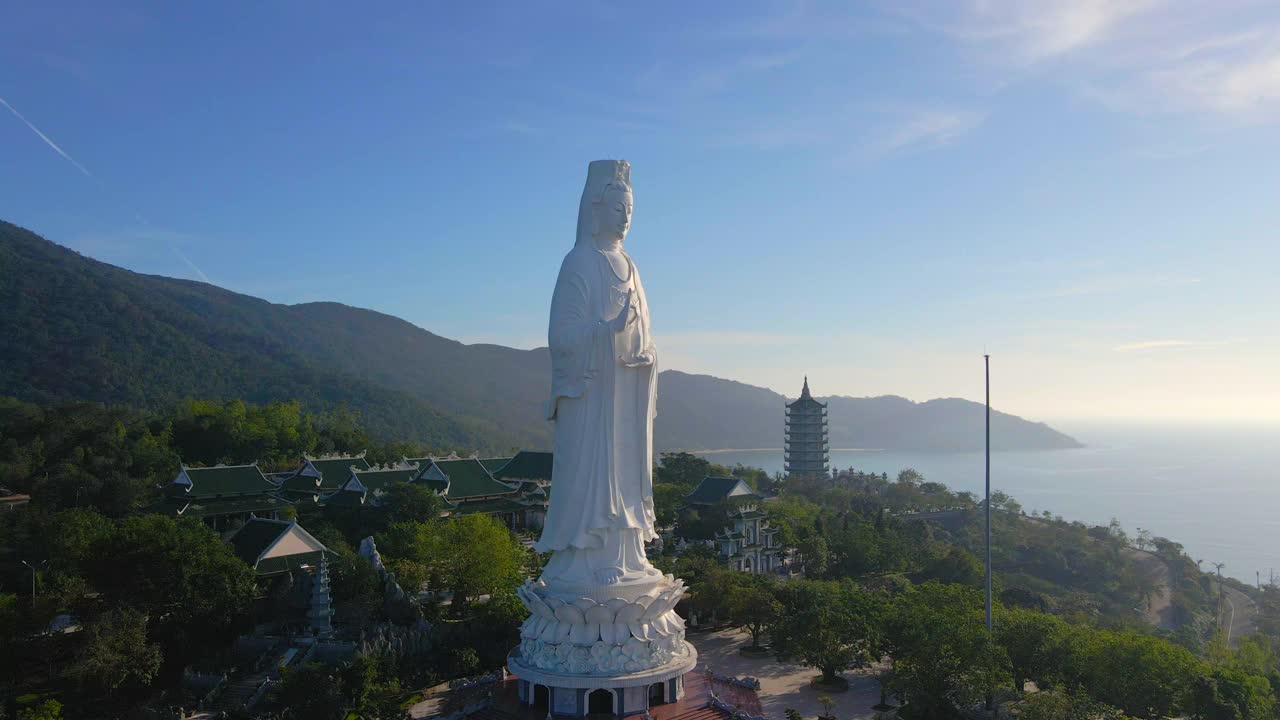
point(734, 712)
point(749, 683)
point(469, 695)
point(257, 694)
point(461, 684)
point(463, 712)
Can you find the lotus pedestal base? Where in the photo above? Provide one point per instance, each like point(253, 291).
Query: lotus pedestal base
point(622, 695)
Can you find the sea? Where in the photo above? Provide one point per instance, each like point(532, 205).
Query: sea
point(1215, 489)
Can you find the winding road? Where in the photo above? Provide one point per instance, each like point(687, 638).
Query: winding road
point(1238, 614)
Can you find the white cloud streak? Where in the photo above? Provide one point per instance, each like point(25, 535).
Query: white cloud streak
point(190, 264)
point(58, 149)
point(927, 128)
point(1152, 345)
point(1140, 56)
point(47, 140)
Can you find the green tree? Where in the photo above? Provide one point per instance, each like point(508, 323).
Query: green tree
point(942, 657)
point(471, 556)
point(182, 576)
point(408, 502)
point(116, 653)
point(815, 556)
point(752, 604)
point(956, 565)
point(667, 501)
point(47, 710)
point(831, 626)
point(66, 537)
point(681, 468)
point(312, 691)
point(1060, 705)
point(1029, 639)
point(1144, 676)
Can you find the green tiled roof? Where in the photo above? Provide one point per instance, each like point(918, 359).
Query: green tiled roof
point(222, 480)
point(717, 489)
point(527, 465)
point(468, 478)
point(254, 537)
point(494, 464)
point(333, 472)
point(196, 507)
point(374, 480)
point(345, 498)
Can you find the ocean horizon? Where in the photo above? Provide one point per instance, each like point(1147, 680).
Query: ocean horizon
point(1213, 488)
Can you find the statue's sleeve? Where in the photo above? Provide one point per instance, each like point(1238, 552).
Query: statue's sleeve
point(573, 334)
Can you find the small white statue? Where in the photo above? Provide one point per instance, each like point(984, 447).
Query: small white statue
point(603, 399)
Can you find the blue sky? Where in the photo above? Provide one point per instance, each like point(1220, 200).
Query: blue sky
point(870, 193)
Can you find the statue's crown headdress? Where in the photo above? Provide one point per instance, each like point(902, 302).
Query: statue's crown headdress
point(601, 174)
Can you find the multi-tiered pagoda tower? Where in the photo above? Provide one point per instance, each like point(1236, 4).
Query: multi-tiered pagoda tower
point(807, 451)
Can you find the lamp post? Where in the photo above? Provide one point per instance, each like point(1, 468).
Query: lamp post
point(33, 579)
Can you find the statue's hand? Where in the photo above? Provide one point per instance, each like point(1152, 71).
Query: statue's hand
point(626, 317)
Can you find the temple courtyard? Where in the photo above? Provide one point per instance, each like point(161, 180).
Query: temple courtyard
point(783, 684)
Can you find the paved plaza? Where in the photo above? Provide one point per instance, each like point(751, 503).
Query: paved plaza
point(783, 684)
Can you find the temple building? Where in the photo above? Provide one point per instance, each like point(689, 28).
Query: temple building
point(274, 547)
point(807, 451)
point(366, 487)
point(747, 542)
point(468, 488)
point(223, 496)
point(319, 476)
point(530, 473)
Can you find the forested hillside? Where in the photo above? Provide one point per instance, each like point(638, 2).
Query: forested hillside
point(75, 329)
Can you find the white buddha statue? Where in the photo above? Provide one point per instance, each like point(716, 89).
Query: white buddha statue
point(603, 400)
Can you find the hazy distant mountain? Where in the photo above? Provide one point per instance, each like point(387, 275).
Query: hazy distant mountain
point(726, 414)
point(73, 328)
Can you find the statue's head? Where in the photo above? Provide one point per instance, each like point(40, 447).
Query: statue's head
point(613, 214)
point(604, 216)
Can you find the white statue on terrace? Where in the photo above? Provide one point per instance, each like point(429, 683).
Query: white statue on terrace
point(603, 399)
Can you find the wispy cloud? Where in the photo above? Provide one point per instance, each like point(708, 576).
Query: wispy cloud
point(141, 220)
point(47, 140)
point(191, 265)
point(1220, 58)
point(1117, 282)
point(1153, 345)
point(1034, 31)
point(926, 128)
point(139, 246)
point(698, 79)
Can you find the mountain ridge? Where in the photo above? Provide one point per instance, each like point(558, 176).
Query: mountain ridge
point(77, 329)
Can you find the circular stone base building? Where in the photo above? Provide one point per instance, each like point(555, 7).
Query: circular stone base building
point(620, 695)
point(620, 656)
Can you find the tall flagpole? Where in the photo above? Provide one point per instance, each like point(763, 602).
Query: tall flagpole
point(986, 361)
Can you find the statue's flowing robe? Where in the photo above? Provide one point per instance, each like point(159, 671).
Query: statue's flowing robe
point(603, 401)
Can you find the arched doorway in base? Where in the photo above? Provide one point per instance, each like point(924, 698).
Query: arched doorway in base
point(657, 694)
point(541, 697)
point(600, 702)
